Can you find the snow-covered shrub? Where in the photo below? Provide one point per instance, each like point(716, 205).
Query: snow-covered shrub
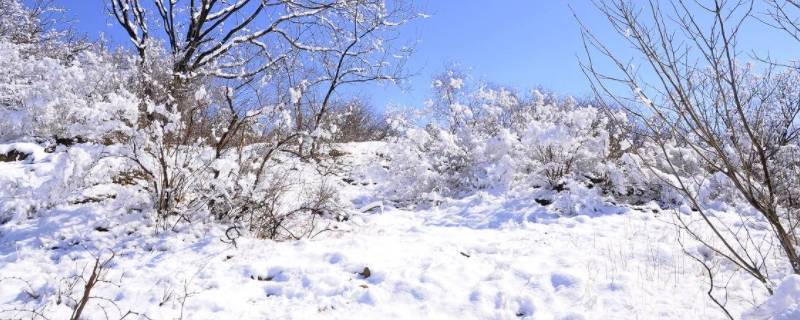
point(54, 86)
point(470, 146)
point(79, 174)
point(44, 97)
point(493, 139)
point(291, 201)
point(564, 142)
point(201, 160)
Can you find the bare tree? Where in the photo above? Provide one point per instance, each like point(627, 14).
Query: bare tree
point(691, 89)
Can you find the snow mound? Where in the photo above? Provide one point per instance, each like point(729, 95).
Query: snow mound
point(783, 305)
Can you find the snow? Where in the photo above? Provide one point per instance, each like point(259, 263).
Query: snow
point(485, 204)
point(484, 256)
point(36, 151)
point(456, 83)
point(783, 305)
point(295, 95)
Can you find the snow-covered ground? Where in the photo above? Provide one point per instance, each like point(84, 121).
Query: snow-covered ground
point(486, 256)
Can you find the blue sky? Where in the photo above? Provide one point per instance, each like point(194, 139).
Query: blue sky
point(519, 43)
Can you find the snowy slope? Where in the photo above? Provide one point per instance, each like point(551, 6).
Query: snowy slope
point(482, 257)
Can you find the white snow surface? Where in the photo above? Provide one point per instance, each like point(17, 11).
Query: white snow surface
point(486, 256)
point(783, 305)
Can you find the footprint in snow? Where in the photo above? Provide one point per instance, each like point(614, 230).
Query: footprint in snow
point(335, 258)
point(367, 298)
point(526, 307)
point(560, 280)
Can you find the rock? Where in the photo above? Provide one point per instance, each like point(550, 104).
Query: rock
point(366, 273)
point(14, 155)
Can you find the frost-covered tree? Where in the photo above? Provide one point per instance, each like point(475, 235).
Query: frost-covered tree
point(19, 24)
point(290, 53)
point(250, 80)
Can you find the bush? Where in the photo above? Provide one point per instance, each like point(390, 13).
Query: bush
point(355, 122)
point(48, 89)
point(494, 139)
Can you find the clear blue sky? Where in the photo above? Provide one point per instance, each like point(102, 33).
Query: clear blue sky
point(520, 43)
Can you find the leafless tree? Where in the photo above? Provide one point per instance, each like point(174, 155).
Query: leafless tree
point(689, 86)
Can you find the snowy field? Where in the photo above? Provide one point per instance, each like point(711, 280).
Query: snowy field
point(482, 257)
point(286, 159)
